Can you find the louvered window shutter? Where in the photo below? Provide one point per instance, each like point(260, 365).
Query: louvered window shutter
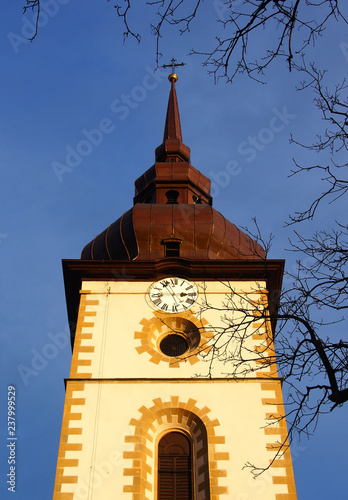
point(175, 470)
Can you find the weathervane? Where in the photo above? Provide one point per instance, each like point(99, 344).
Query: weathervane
point(173, 64)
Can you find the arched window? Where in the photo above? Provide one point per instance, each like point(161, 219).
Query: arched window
point(174, 467)
point(172, 197)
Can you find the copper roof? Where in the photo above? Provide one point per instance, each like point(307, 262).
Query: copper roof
point(172, 138)
point(202, 231)
point(172, 203)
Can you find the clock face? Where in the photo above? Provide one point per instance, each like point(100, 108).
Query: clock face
point(173, 295)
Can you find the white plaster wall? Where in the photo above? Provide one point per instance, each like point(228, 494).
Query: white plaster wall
point(110, 406)
point(122, 306)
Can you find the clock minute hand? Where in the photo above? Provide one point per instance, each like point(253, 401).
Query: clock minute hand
point(172, 293)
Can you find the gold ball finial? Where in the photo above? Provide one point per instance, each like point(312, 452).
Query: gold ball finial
point(173, 77)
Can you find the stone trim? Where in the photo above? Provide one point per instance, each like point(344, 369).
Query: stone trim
point(84, 321)
point(165, 417)
point(160, 324)
point(71, 419)
point(265, 347)
point(276, 429)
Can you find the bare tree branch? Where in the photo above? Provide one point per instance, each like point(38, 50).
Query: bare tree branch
point(33, 5)
point(123, 14)
point(314, 368)
point(333, 105)
point(294, 25)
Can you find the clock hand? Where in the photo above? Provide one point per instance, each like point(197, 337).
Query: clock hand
point(172, 293)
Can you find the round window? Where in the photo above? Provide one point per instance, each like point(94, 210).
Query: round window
point(174, 345)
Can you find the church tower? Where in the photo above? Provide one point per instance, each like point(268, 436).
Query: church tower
point(173, 387)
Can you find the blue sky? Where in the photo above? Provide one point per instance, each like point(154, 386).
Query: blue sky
point(72, 80)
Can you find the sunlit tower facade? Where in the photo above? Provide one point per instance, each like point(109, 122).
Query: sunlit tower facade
point(146, 416)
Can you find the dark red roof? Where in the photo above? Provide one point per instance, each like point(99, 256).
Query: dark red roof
point(172, 203)
point(202, 231)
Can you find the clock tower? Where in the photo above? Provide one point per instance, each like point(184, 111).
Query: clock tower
point(171, 390)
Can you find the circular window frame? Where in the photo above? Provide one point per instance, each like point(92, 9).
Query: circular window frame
point(155, 329)
point(183, 327)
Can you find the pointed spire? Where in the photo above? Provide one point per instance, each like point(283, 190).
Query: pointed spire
point(172, 129)
point(172, 148)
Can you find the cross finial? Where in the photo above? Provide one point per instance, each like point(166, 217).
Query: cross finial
point(173, 64)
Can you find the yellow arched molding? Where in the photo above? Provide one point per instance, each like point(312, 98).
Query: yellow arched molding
point(160, 324)
point(165, 417)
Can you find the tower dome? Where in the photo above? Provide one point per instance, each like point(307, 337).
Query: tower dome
point(172, 214)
